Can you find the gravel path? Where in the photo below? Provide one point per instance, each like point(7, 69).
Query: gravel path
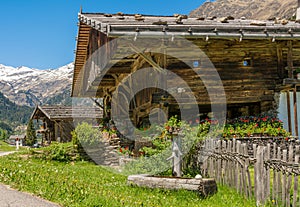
point(5, 153)
point(13, 198)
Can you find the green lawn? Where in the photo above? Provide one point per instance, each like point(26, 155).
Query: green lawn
point(85, 184)
point(4, 147)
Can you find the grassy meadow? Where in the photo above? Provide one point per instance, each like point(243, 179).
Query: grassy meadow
point(85, 184)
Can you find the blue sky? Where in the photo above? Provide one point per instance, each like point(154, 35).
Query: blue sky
point(41, 33)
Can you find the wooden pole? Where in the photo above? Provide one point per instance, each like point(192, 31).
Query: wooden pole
point(274, 189)
point(289, 178)
point(279, 183)
point(290, 59)
point(288, 104)
point(259, 176)
point(295, 111)
point(296, 177)
point(284, 179)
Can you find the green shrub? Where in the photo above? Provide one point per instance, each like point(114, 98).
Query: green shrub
point(62, 152)
point(85, 135)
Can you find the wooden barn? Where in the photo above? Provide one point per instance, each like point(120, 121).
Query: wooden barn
point(255, 60)
point(57, 122)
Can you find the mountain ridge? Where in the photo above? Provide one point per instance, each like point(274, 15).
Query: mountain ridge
point(29, 86)
point(250, 9)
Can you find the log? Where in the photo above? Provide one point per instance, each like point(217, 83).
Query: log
point(205, 187)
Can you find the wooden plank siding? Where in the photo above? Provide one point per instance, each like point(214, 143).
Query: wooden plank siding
point(271, 51)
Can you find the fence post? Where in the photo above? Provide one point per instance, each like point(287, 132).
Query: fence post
point(247, 163)
point(224, 163)
point(255, 172)
point(238, 169)
point(230, 165)
point(284, 183)
point(279, 187)
point(274, 189)
point(219, 162)
point(289, 182)
point(259, 176)
point(211, 159)
point(296, 177)
point(244, 170)
point(267, 171)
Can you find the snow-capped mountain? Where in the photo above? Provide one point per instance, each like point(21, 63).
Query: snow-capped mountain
point(27, 86)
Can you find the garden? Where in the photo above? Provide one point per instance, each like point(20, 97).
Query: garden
point(59, 173)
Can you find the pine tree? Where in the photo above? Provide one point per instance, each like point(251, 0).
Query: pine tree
point(31, 138)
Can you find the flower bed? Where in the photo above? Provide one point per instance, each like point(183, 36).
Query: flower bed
point(255, 126)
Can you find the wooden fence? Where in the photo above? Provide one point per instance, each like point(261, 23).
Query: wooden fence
point(268, 173)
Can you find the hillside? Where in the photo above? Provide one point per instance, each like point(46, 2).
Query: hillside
point(251, 9)
point(27, 86)
point(12, 115)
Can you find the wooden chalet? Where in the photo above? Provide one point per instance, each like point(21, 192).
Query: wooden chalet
point(13, 138)
point(256, 60)
point(57, 122)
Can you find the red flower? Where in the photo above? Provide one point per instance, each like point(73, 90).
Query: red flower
point(197, 121)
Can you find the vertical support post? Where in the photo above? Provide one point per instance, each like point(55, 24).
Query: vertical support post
point(295, 111)
point(280, 67)
point(290, 59)
point(288, 104)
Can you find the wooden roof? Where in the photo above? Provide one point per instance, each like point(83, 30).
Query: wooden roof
point(67, 112)
point(20, 136)
point(120, 24)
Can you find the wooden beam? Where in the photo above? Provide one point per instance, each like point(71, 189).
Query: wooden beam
point(290, 58)
point(147, 58)
point(280, 66)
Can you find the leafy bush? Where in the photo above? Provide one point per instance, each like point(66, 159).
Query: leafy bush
point(155, 160)
point(62, 152)
point(85, 134)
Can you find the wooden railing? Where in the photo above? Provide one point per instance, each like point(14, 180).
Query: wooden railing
point(270, 173)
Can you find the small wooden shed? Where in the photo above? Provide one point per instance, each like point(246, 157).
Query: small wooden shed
point(57, 122)
point(256, 60)
point(13, 138)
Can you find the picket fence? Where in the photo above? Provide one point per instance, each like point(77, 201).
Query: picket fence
point(268, 173)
